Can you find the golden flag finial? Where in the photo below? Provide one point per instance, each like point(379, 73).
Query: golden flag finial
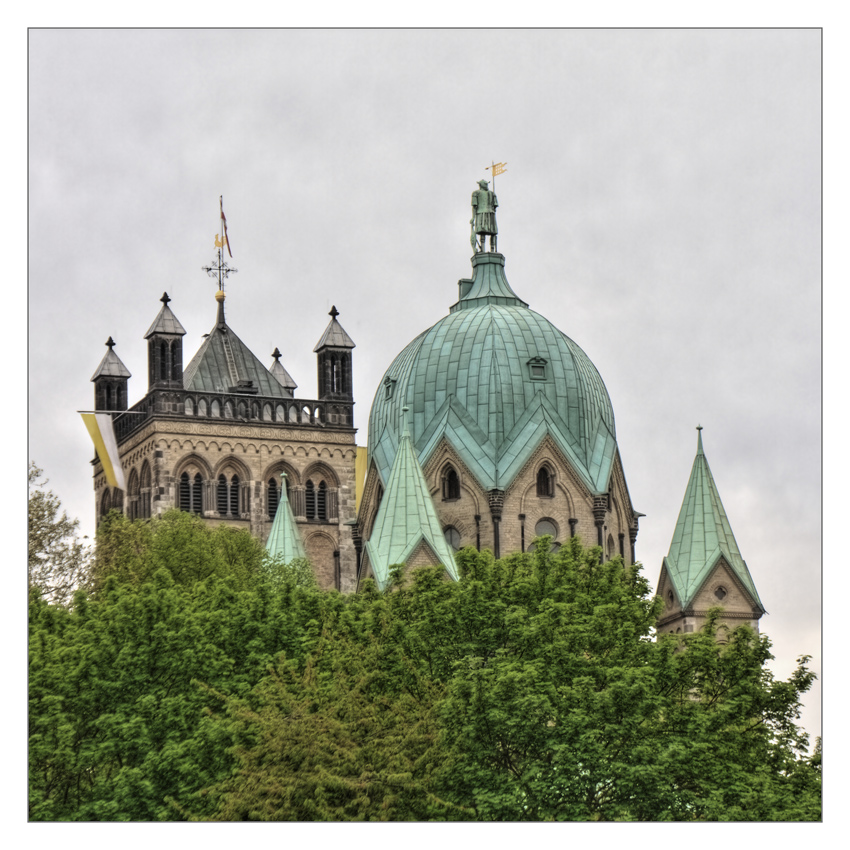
point(219, 243)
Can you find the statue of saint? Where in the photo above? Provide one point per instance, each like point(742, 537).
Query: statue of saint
point(483, 222)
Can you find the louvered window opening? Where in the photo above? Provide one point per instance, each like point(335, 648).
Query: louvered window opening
point(273, 498)
point(190, 493)
point(227, 496)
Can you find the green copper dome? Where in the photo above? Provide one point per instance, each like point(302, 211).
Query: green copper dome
point(494, 377)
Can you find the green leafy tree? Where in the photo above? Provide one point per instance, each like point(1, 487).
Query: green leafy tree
point(58, 561)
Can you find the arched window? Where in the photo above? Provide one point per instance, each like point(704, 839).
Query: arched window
point(273, 498)
point(543, 527)
point(202, 407)
point(267, 413)
point(451, 484)
point(242, 410)
point(322, 501)
point(145, 487)
point(228, 410)
point(280, 414)
point(234, 496)
point(197, 484)
point(109, 397)
point(163, 361)
point(221, 496)
point(452, 536)
point(310, 499)
point(190, 493)
point(104, 502)
point(545, 482)
point(215, 408)
point(609, 548)
point(189, 407)
point(133, 494)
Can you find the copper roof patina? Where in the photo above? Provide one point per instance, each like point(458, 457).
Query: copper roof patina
point(494, 378)
point(406, 518)
point(284, 540)
point(702, 536)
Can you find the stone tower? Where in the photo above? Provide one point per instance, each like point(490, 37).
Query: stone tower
point(704, 568)
point(213, 439)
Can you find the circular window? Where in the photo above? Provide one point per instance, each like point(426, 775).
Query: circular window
point(546, 526)
point(452, 536)
point(720, 593)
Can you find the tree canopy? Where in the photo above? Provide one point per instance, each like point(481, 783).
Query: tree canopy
point(195, 679)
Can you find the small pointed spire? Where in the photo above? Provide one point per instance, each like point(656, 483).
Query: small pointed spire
point(699, 440)
point(165, 299)
point(277, 355)
point(405, 430)
point(333, 312)
point(110, 343)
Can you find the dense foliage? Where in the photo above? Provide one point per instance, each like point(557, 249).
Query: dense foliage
point(197, 680)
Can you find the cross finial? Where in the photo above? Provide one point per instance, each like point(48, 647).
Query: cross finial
point(276, 353)
point(165, 299)
point(334, 312)
point(110, 342)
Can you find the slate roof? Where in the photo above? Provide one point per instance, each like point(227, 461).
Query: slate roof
point(281, 375)
point(165, 322)
point(284, 540)
point(702, 535)
point(334, 335)
point(406, 517)
point(469, 379)
point(212, 369)
point(111, 366)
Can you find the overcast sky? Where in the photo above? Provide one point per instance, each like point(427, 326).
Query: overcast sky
point(661, 206)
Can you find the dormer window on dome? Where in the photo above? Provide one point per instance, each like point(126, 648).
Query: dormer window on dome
point(537, 368)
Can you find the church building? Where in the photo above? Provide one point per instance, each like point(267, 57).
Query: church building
point(491, 429)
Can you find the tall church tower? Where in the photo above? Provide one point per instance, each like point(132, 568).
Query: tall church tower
point(704, 568)
point(226, 439)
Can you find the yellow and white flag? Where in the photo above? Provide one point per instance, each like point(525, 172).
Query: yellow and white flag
point(100, 428)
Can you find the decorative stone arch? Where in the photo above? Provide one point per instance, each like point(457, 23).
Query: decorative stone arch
point(267, 412)
point(279, 413)
point(280, 465)
point(202, 407)
point(189, 406)
point(239, 467)
point(319, 469)
point(197, 462)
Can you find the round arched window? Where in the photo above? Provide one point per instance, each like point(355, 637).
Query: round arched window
point(546, 526)
point(452, 536)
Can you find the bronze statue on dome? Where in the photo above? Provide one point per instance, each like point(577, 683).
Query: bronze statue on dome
point(483, 220)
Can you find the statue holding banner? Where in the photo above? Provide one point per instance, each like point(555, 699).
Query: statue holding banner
point(483, 220)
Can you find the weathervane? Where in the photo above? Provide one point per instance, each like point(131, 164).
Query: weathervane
point(496, 168)
point(219, 268)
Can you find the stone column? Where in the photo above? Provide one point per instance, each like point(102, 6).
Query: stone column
point(496, 499)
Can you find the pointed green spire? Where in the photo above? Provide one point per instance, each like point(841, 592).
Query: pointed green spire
point(284, 540)
point(406, 517)
point(703, 534)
